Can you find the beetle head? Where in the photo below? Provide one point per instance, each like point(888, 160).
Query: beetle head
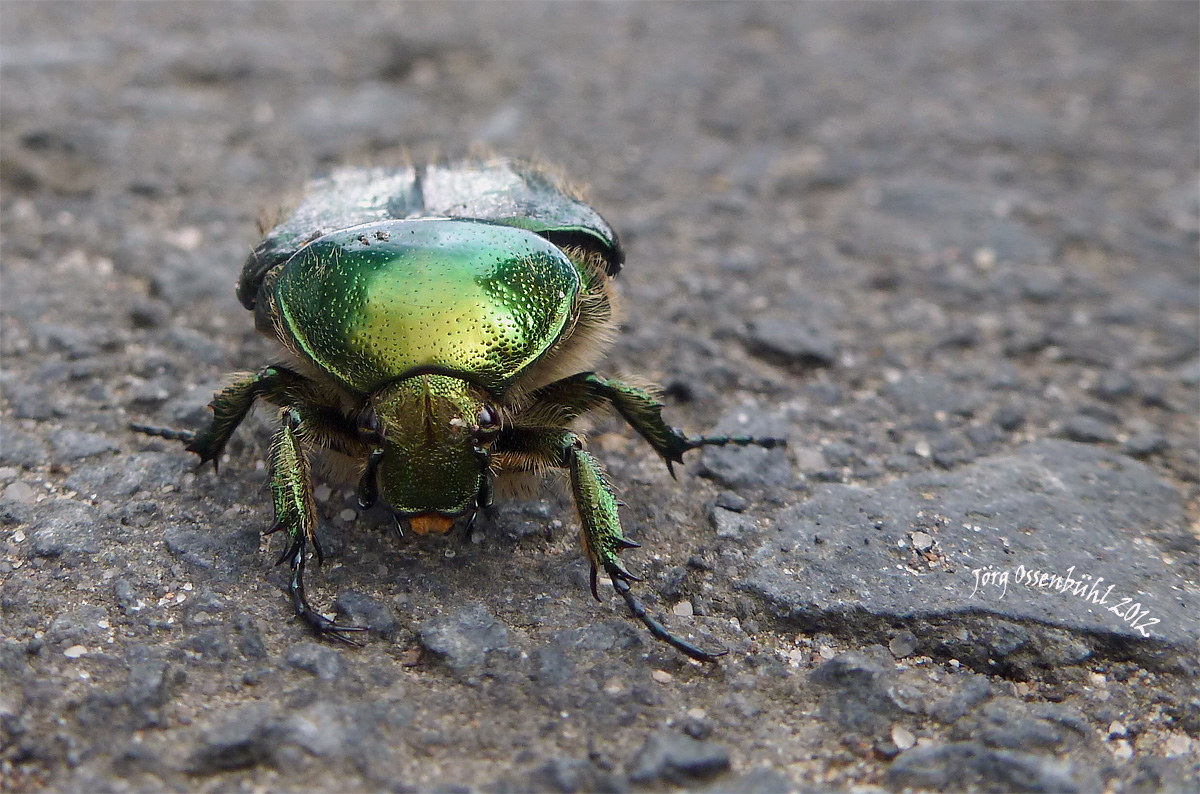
point(435, 432)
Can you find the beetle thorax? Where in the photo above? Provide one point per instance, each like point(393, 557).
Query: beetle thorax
point(433, 459)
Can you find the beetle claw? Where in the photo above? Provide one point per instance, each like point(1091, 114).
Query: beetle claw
point(293, 551)
point(320, 624)
point(616, 571)
point(326, 627)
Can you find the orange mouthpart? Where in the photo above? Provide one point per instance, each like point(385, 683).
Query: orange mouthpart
point(431, 522)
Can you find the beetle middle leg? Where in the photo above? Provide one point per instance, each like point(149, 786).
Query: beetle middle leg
point(296, 514)
point(533, 448)
point(229, 407)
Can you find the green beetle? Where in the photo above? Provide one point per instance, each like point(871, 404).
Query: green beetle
point(439, 325)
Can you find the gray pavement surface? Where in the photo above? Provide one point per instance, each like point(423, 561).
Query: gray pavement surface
point(949, 250)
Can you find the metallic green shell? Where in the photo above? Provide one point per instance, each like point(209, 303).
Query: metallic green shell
point(422, 471)
point(505, 192)
point(381, 301)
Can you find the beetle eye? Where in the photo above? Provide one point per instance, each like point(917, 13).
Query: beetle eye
point(488, 417)
point(369, 424)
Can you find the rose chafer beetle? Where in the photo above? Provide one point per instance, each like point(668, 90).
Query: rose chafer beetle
point(439, 325)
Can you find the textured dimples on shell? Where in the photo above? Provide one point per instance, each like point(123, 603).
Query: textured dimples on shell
point(439, 326)
point(372, 303)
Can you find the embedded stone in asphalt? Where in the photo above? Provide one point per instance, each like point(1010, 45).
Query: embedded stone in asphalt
point(1047, 556)
point(464, 638)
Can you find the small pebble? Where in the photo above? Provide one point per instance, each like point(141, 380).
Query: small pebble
point(75, 651)
point(661, 676)
point(614, 686)
point(1009, 417)
point(1178, 744)
point(902, 737)
point(903, 644)
point(732, 501)
point(20, 492)
point(1088, 429)
point(922, 541)
point(1144, 444)
point(1114, 385)
point(683, 609)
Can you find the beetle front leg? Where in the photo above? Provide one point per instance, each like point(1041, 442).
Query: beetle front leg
point(296, 514)
point(586, 391)
point(596, 505)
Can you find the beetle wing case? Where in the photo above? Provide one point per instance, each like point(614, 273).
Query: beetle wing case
point(501, 191)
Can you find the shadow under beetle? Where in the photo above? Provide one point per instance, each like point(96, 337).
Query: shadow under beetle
point(440, 324)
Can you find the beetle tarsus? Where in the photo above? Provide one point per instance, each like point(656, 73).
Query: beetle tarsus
point(169, 433)
point(658, 630)
point(767, 442)
point(320, 624)
point(194, 442)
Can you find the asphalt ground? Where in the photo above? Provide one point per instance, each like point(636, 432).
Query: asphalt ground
point(949, 250)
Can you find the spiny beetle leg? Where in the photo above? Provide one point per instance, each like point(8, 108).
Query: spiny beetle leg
point(296, 514)
point(597, 508)
point(657, 629)
point(231, 404)
point(585, 391)
point(315, 620)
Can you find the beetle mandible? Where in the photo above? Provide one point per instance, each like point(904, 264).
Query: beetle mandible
point(439, 327)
